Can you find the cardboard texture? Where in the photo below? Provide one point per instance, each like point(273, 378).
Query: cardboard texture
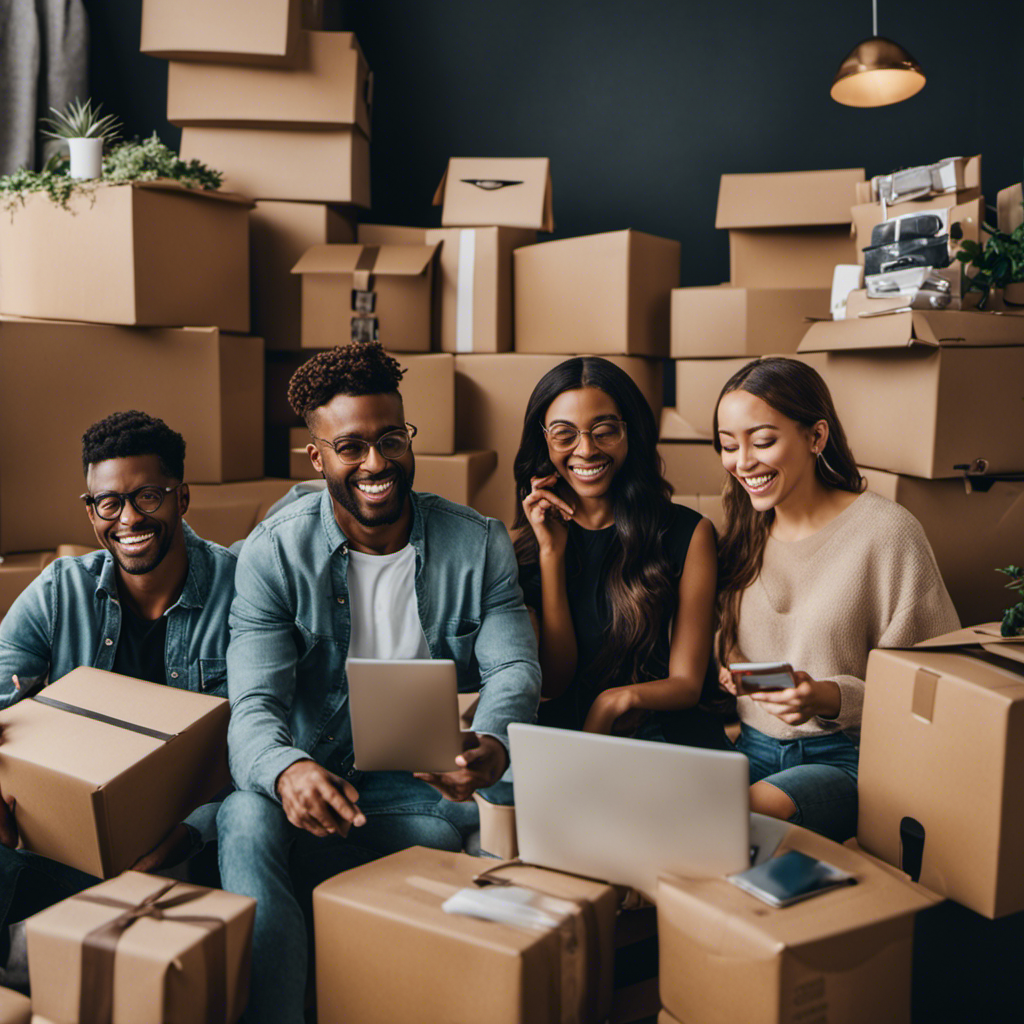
point(225, 513)
point(97, 795)
point(385, 923)
point(1009, 208)
point(330, 85)
point(843, 957)
point(970, 533)
point(314, 165)
point(384, 289)
point(935, 379)
point(206, 385)
point(708, 505)
point(152, 252)
point(610, 290)
point(692, 467)
point(942, 744)
point(968, 175)
point(188, 960)
point(14, 1007)
point(511, 192)
point(724, 321)
point(491, 392)
point(497, 829)
point(788, 257)
point(17, 572)
point(280, 233)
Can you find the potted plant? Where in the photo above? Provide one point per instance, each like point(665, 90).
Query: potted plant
point(999, 264)
point(86, 133)
point(1013, 617)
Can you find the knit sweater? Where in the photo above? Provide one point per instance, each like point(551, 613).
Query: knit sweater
point(868, 579)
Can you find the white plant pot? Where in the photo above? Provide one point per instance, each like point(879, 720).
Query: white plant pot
point(86, 157)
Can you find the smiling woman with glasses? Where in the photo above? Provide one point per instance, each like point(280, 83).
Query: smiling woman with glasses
point(622, 581)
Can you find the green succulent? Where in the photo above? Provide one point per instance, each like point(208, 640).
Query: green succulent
point(1013, 617)
point(999, 262)
point(80, 121)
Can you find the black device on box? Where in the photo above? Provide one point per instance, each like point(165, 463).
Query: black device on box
point(910, 252)
point(791, 877)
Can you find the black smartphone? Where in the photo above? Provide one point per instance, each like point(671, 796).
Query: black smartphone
point(791, 877)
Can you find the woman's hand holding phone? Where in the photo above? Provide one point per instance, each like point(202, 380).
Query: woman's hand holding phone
point(547, 514)
point(809, 698)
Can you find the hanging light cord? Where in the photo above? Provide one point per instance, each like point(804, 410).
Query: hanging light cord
point(874, 17)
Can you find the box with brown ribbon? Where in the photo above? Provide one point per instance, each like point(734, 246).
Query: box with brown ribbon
point(142, 948)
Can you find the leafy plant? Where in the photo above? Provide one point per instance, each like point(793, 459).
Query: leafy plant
point(999, 262)
point(1013, 617)
point(79, 121)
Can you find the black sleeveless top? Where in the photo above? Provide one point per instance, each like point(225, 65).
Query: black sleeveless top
point(587, 558)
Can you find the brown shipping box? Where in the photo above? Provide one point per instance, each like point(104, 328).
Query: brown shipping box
point(104, 774)
point(188, 959)
point(14, 1007)
point(942, 757)
point(922, 392)
point(726, 321)
point(972, 533)
point(248, 31)
point(280, 233)
point(206, 385)
point(511, 192)
point(787, 230)
point(606, 293)
point(968, 186)
point(152, 252)
point(491, 392)
point(313, 165)
point(692, 467)
point(1010, 208)
point(329, 86)
point(367, 293)
point(843, 957)
point(385, 923)
point(17, 572)
point(225, 513)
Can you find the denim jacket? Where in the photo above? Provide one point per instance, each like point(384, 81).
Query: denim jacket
point(290, 629)
point(70, 615)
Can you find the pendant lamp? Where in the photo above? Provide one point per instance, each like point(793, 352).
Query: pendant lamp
point(877, 72)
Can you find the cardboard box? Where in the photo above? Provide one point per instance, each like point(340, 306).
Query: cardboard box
point(14, 1007)
point(843, 957)
point(188, 959)
point(152, 252)
point(917, 392)
point(279, 234)
point(367, 293)
point(329, 85)
point(692, 467)
point(247, 31)
point(491, 392)
point(787, 230)
point(384, 920)
point(17, 572)
point(611, 289)
point(315, 165)
point(725, 321)
point(968, 181)
point(942, 756)
point(708, 505)
point(971, 533)
point(97, 792)
point(225, 513)
point(206, 385)
point(511, 192)
point(1009, 208)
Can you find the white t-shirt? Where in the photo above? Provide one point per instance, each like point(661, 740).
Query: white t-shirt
point(382, 599)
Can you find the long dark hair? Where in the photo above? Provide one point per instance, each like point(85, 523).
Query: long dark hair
point(640, 586)
point(798, 392)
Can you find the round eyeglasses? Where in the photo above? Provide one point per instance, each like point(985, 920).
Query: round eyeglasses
point(563, 437)
point(353, 450)
point(145, 500)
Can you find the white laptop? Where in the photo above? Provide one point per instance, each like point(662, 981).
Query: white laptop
point(627, 811)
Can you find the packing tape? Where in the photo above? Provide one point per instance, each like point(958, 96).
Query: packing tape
point(96, 716)
point(464, 291)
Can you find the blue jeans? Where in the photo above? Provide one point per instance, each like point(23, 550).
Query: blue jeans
point(264, 856)
point(818, 773)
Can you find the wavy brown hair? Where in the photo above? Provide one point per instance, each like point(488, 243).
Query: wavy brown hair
point(798, 392)
point(641, 590)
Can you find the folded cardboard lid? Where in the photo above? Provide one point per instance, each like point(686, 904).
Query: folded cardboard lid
point(675, 428)
point(488, 191)
point(408, 260)
point(962, 328)
point(1010, 207)
point(170, 185)
point(787, 199)
point(986, 636)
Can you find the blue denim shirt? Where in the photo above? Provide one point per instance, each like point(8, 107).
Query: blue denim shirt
point(70, 615)
point(290, 628)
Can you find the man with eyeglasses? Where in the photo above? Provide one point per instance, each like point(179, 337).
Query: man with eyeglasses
point(365, 568)
point(152, 604)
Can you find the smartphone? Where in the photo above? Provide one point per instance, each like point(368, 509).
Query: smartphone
point(791, 877)
point(763, 675)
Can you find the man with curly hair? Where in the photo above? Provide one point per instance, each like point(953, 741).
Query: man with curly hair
point(152, 604)
point(366, 568)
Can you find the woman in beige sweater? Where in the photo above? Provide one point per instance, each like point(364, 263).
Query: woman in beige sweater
point(814, 572)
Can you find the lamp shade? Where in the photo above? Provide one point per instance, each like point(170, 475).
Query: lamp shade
point(876, 73)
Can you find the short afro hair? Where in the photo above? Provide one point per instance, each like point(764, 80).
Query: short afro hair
point(362, 368)
point(123, 434)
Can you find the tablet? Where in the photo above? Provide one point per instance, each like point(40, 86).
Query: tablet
point(405, 715)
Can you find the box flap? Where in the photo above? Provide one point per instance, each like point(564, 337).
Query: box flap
point(170, 185)
point(675, 428)
point(1010, 208)
point(789, 199)
point(503, 191)
point(408, 260)
point(986, 636)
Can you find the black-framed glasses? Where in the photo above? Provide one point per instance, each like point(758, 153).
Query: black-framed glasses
point(145, 500)
point(563, 437)
point(353, 450)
